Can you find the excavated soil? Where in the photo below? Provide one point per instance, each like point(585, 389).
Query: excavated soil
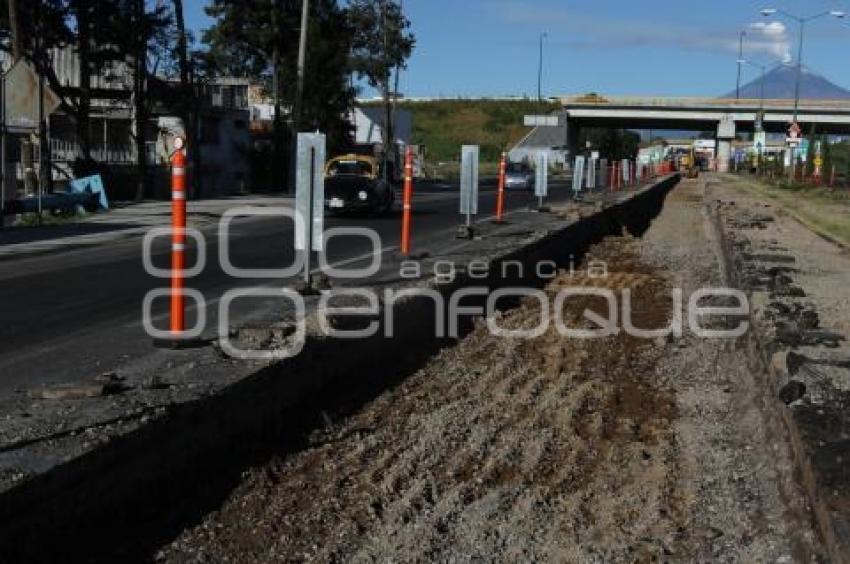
point(615, 449)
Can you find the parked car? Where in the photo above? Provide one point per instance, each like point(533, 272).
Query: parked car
point(519, 176)
point(354, 183)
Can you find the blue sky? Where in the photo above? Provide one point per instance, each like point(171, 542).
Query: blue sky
point(647, 47)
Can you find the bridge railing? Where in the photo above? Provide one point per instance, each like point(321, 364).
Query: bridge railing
point(687, 102)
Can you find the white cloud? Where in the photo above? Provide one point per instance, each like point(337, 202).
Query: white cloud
point(769, 38)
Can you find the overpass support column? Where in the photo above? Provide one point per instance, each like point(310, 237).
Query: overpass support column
point(725, 136)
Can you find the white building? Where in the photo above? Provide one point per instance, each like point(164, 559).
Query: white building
point(223, 130)
point(368, 124)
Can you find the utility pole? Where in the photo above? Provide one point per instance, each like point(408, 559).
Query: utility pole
point(276, 69)
point(43, 168)
point(15, 30)
point(397, 69)
point(302, 63)
point(540, 69)
point(139, 99)
point(799, 71)
point(3, 179)
point(389, 136)
point(740, 58)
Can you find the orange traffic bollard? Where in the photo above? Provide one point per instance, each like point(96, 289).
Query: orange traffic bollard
point(406, 204)
point(178, 237)
point(500, 197)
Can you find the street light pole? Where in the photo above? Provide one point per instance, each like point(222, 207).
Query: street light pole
point(760, 121)
point(740, 57)
point(802, 23)
point(799, 70)
point(540, 69)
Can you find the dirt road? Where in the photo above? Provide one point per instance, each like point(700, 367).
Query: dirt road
point(618, 449)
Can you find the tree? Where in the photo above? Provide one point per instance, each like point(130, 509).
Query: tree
point(827, 158)
point(82, 10)
point(103, 33)
point(382, 42)
point(141, 38)
point(96, 49)
point(182, 43)
point(329, 94)
point(614, 144)
point(258, 39)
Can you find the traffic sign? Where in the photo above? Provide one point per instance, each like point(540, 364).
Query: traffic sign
point(310, 193)
point(22, 97)
point(469, 181)
point(540, 121)
point(541, 181)
point(794, 130)
point(578, 174)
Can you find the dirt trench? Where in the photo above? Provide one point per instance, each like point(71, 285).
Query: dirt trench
point(615, 449)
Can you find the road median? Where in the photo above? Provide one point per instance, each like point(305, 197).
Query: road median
point(156, 456)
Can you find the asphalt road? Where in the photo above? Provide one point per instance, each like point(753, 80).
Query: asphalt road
point(71, 316)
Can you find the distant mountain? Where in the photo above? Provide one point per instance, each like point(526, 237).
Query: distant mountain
point(779, 84)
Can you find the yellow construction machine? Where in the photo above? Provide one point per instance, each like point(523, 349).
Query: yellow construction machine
point(688, 163)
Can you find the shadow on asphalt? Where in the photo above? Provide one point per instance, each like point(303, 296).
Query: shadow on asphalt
point(27, 234)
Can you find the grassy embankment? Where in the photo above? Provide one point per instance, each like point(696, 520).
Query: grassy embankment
point(826, 210)
point(495, 125)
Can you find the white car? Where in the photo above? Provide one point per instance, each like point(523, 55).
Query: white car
point(519, 176)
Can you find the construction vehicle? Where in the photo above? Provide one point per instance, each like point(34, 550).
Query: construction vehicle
point(688, 163)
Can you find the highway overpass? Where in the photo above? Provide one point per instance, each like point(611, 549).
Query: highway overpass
point(701, 114)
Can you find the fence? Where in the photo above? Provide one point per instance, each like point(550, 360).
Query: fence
point(62, 151)
point(832, 178)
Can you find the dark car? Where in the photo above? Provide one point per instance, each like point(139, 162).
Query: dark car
point(354, 183)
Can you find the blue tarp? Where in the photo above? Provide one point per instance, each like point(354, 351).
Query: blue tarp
point(90, 185)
